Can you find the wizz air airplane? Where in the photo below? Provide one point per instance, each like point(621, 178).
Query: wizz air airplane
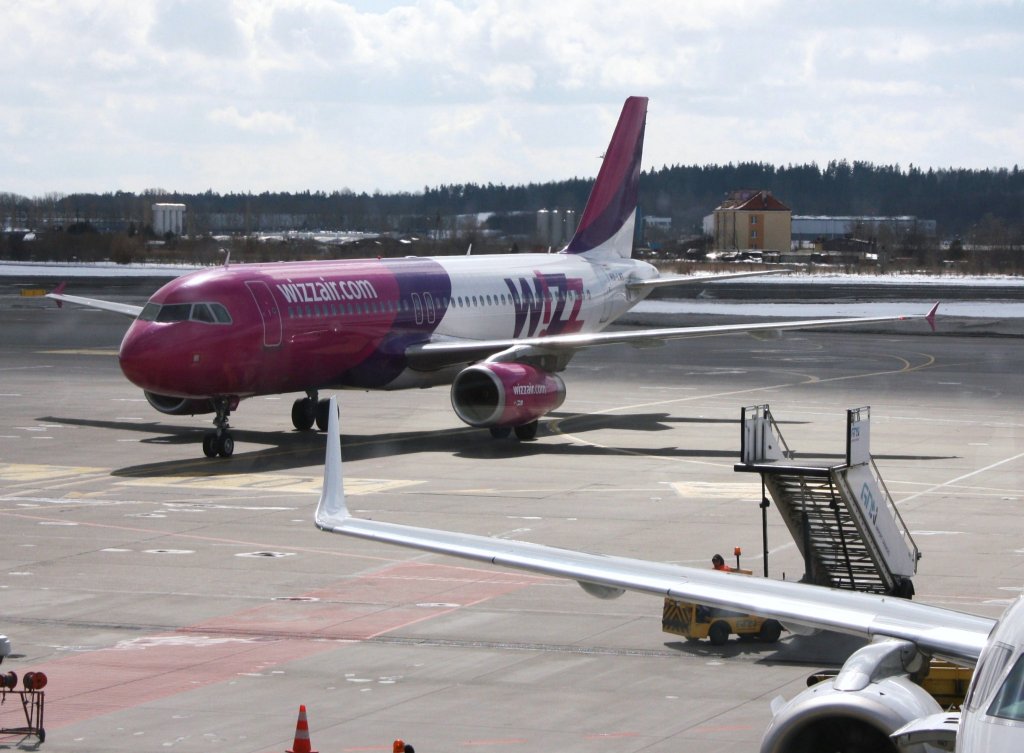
point(497, 328)
point(875, 703)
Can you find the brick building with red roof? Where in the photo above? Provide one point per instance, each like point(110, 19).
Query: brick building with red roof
point(753, 220)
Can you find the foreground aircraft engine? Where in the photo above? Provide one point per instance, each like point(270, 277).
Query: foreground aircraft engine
point(871, 697)
point(503, 396)
point(178, 406)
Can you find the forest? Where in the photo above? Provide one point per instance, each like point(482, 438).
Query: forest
point(971, 206)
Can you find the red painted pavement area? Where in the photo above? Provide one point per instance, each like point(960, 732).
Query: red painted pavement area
point(141, 670)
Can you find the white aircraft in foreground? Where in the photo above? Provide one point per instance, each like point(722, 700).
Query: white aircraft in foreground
point(874, 703)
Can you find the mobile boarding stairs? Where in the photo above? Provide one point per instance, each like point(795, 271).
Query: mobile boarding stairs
point(841, 517)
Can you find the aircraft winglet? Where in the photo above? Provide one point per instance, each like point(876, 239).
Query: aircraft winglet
point(930, 316)
point(58, 291)
point(331, 510)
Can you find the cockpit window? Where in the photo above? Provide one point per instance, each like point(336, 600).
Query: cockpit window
point(149, 312)
point(220, 313)
point(201, 313)
point(1009, 701)
point(174, 312)
point(988, 672)
point(209, 313)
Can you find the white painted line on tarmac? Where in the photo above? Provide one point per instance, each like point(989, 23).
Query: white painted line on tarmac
point(958, 479)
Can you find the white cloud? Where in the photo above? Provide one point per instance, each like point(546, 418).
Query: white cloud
point(207, 27)
point(883, 49)
point(396, 95)
point(511, 78)
point(257, 121)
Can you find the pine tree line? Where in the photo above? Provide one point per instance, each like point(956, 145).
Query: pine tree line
point(961, 200)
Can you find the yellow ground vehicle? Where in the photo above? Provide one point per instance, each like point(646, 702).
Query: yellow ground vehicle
point(947, 683)
point(695, 621)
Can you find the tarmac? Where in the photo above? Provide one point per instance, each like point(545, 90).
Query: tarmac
point(184, 604)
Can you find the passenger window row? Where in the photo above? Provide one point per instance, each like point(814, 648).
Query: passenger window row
point(316, 310)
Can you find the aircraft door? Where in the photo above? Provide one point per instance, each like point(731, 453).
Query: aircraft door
point(604, 293)
point(273, 329)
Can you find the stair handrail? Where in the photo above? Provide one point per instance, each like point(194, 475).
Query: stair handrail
point(786, 452)
point(891, 505)
point(853, 509)
point(762, 411)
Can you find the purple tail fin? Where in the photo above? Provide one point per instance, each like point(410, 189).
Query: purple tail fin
point(606, 227)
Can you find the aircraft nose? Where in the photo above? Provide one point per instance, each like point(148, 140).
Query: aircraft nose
point(137, 357)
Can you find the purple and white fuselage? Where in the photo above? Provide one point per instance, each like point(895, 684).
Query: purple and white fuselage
point(499, 328)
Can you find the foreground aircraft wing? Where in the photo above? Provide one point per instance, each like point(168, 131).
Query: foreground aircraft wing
point(126, 309)
point(942, 632)
point(438, 353)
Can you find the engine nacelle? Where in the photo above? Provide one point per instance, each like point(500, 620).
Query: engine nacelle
point(505, 394)
point(601, 592)
point(826, 718)
point(178, 406)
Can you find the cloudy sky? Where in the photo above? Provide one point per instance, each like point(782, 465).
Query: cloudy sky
point(254, 95)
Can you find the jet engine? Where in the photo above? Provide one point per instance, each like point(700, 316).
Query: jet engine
point(505, 394)
point(871, 697)
point(178, 406)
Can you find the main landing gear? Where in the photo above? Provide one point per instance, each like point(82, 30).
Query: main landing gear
point(306, 411)
point(309, 410)
point(220, 442)
point(524, 432)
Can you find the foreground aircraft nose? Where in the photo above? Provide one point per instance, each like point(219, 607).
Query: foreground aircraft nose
point(187, 359)
point(140, 358)
point(165, 359)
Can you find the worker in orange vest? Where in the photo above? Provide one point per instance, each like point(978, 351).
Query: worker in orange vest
point(718, 562)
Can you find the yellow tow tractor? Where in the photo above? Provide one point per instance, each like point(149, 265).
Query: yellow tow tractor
point(697, 621)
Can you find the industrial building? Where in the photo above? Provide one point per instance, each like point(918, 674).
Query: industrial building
point(810, 228)
point(555, 227)
point(169, 218)
point(757, 221)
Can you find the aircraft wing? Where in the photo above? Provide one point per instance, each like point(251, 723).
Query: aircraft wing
point(125, 309)
point(666, 281)
point(953, 635)
point(437, 353)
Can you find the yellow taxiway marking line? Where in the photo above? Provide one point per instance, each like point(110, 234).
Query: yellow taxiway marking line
point(28, 472)
point(709, 490)
point(79, 352)
point(275, 482)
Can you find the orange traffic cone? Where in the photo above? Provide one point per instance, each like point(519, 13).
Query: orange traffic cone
point(301, 744)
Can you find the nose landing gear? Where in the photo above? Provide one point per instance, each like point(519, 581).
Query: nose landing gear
point(306, 412)
point(220, 442)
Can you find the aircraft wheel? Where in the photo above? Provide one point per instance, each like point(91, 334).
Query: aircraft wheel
point(770, 631)
point(500, 432)
point(323, 414)
point(210, 445)
point(226, 446)
point(303, 414)
point(718, 633)
point(527, 431)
